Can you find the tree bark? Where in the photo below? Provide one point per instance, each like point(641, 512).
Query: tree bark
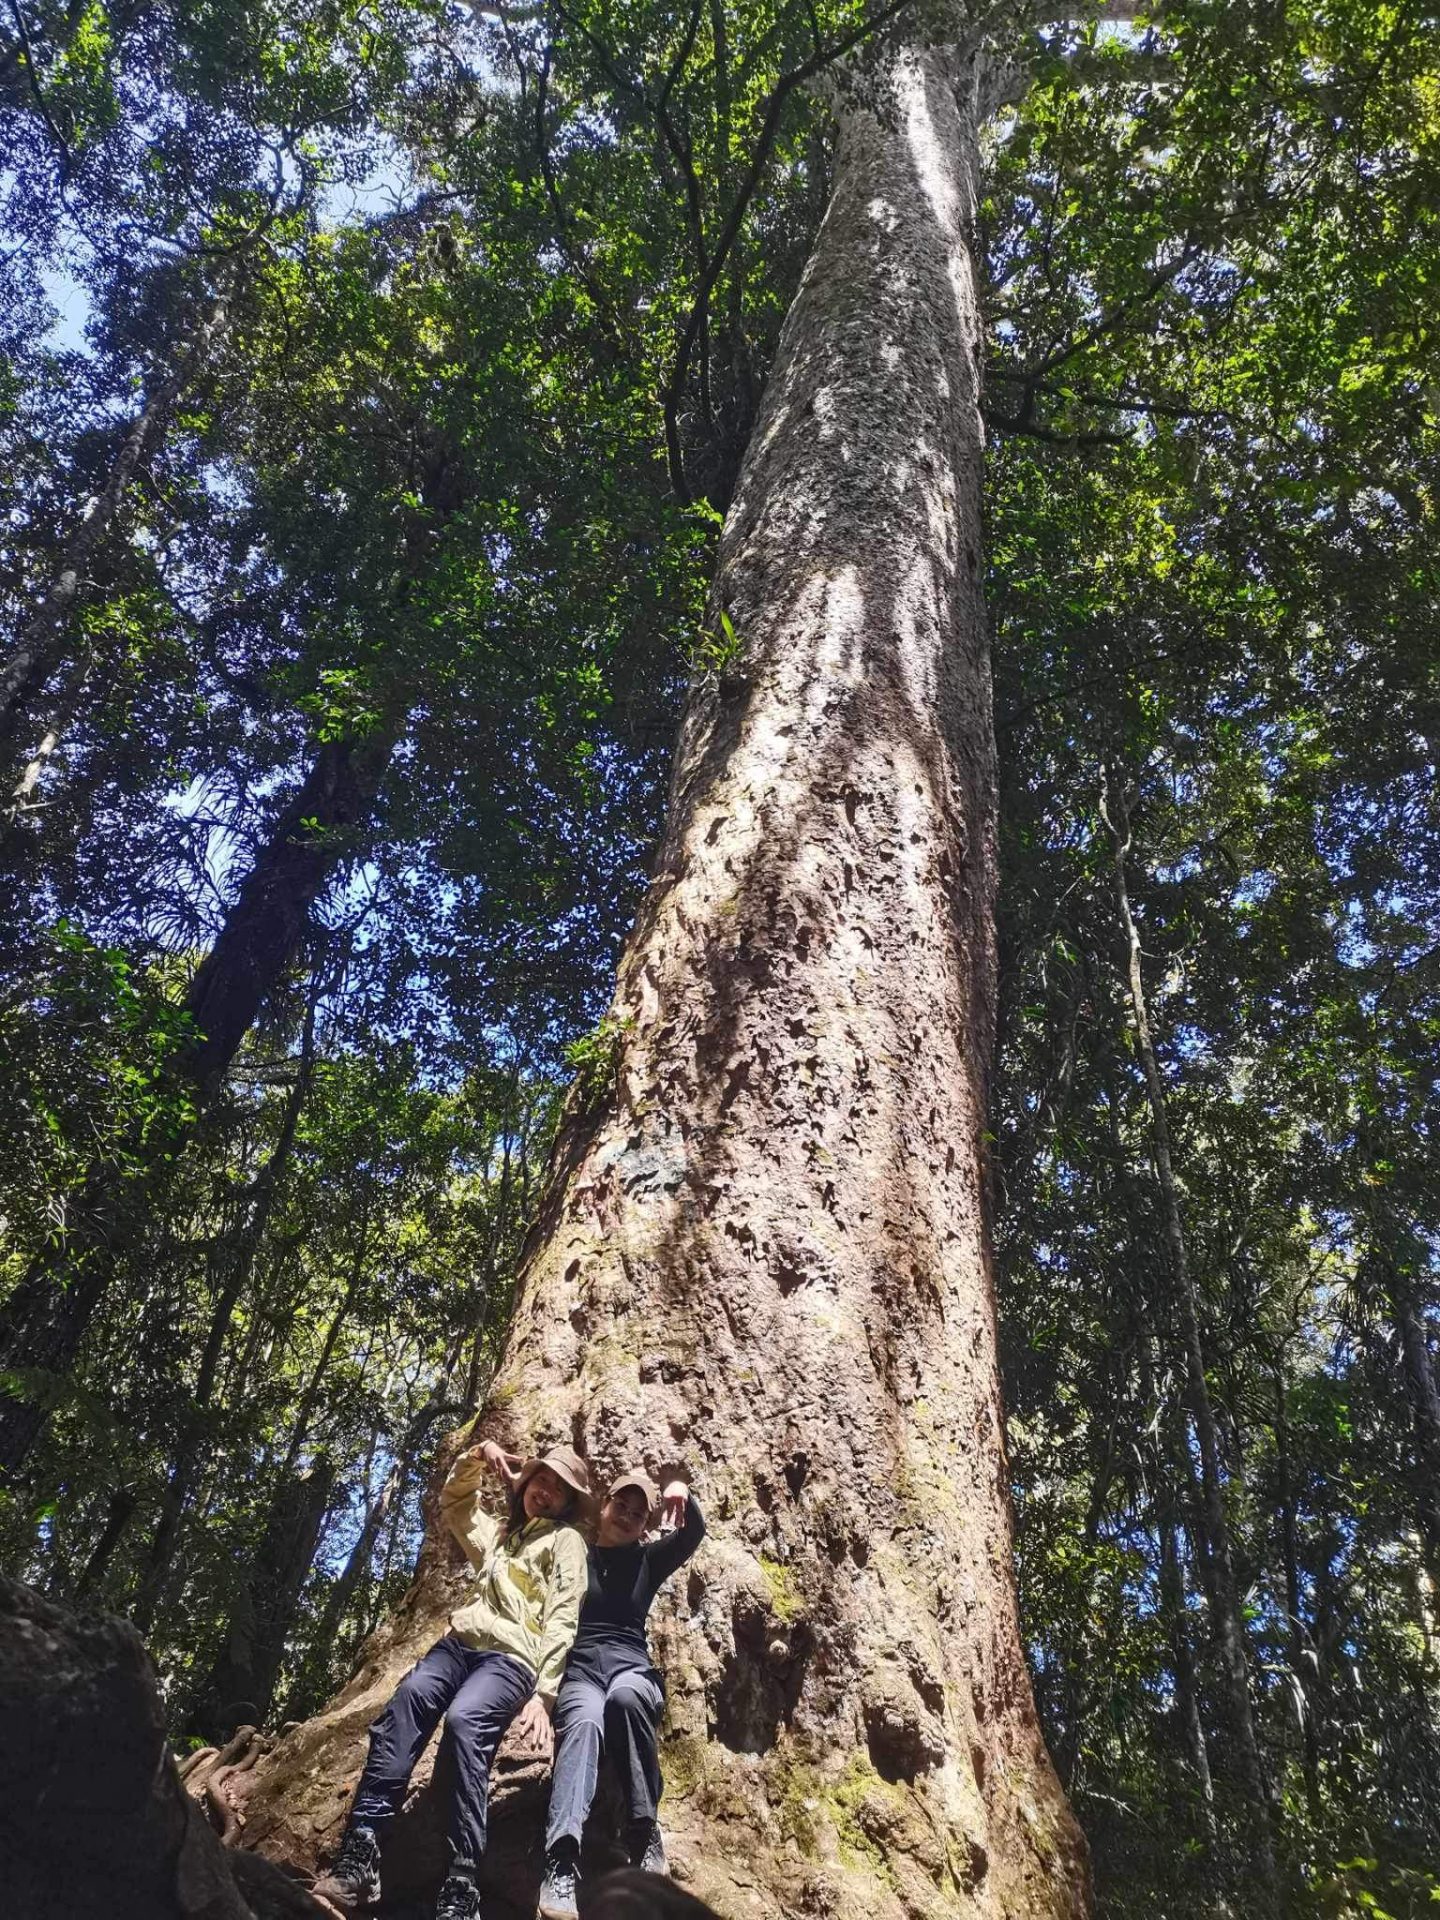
point(765, 1248)
point(1229, 1624)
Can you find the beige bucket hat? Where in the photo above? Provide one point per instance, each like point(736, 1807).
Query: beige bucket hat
point(566, 1465)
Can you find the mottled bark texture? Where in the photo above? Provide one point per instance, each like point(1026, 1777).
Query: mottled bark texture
point(94, 1823)
point(764, 1255)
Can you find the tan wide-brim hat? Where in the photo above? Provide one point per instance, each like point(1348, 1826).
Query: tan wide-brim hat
point(566, 1465)
point(636, 1477)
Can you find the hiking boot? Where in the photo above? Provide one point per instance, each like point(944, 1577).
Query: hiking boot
point(459, 1897)
point(558, 1896)
point(354, 1876)
point(646, 1846)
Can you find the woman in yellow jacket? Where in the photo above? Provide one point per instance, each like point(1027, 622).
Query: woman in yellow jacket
point(501, 1660)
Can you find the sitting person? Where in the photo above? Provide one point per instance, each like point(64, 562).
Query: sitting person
point(500, 1661)
point(612, 1697)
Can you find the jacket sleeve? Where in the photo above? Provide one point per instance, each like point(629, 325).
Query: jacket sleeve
point(670, 1552)
point(460, 1509)
point(560, 1620)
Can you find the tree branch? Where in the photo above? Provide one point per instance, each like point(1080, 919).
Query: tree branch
point(1078, 342)
point(1033, 430)
point(32, 76)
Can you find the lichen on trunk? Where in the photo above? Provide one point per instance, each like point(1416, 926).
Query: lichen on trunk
point(764, 1255)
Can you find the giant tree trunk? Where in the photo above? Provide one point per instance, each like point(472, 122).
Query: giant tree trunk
point(765, 1253)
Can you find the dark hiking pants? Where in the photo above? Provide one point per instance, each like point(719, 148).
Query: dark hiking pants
point(615, 1713)
point(479, 1694)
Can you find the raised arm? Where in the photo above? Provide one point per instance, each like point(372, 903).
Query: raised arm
point(670, 1552)
point(461, 1505)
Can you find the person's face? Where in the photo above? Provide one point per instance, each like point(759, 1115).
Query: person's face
point(546, 1495)
point(623, 1518)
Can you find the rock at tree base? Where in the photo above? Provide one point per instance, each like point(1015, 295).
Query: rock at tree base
point(94, 1823)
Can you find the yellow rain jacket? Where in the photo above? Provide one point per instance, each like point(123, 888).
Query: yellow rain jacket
point(531, 1583)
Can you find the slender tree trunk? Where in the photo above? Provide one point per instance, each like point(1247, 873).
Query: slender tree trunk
point(1170, 1459)
point(1229, 1625)
point(44, 1320)
point(376, 1514)
point(1302, 1652)
point(37, 648)
point(392, 1490)
point(1175, 1613)
point(1081, 1673)
point(120, 1507)
point(764, 1253)
point(491, 1305)
point(305, 1411)
point(1425, 1406)
point(1187, 1700)
point(265, 925)
point(241, 1683)
point(22, 799)
point(237, 1264)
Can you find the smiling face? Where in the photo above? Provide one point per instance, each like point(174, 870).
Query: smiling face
point(545, 1495)
point(624, 1517)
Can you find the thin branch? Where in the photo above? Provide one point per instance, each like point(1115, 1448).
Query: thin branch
point(1033, 430)
point(570, 244)
point(1107, 323)
point(679, 146)
point(32, 75)
point(1113, 403)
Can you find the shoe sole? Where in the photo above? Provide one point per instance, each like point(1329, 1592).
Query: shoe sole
point(347, 1904)
point(559, 1913)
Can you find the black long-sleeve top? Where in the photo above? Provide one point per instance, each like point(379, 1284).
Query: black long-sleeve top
point(623, 1583)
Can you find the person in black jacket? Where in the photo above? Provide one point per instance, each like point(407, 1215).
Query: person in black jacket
point(612, 1697)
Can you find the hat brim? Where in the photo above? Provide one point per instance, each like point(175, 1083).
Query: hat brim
point(641, 1483)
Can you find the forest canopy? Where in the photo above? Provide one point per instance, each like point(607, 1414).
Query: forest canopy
point(376, 377)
